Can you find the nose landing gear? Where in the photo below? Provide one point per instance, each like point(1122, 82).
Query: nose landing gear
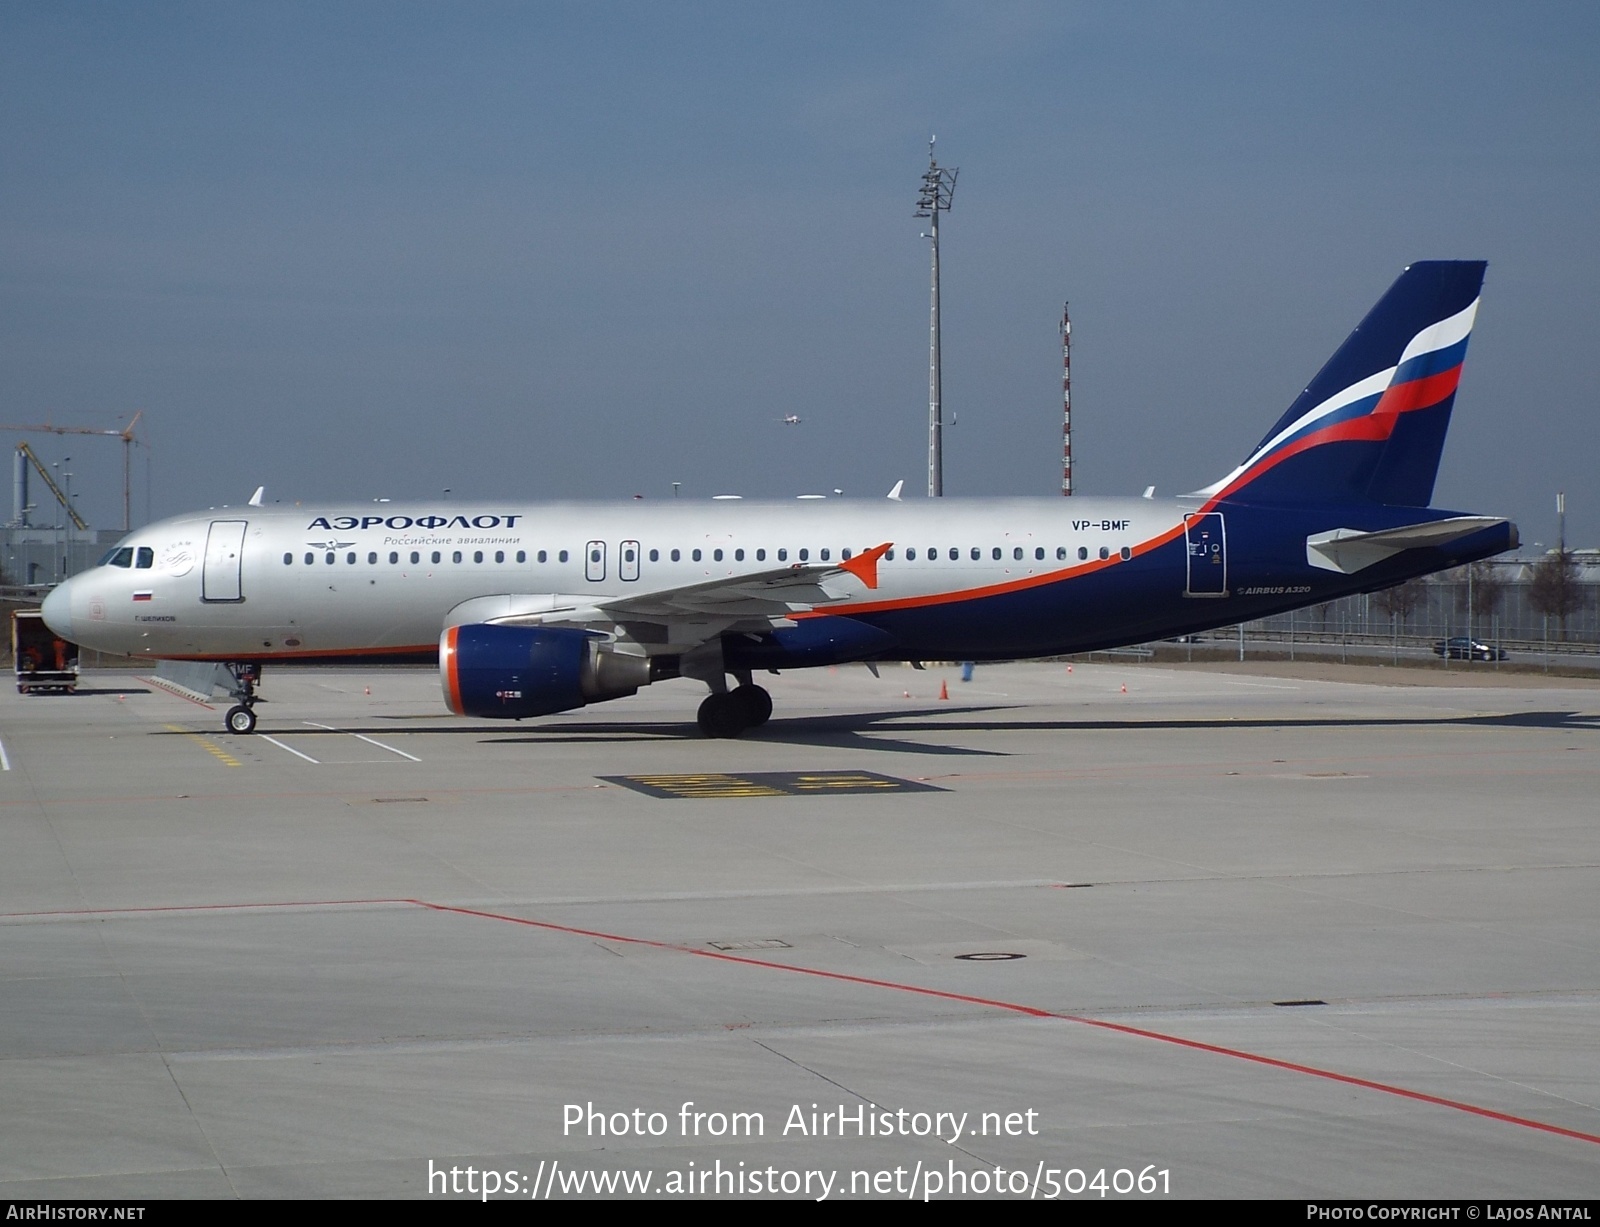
point(241, 717)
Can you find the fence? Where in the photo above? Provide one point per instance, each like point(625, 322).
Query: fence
point(1444, 609)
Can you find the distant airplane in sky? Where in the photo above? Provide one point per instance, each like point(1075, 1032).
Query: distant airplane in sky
point(790, 419)
point(535, 608)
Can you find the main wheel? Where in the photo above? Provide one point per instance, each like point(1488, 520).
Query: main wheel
point(723, 715)
point(757, 704)
point(240, 719)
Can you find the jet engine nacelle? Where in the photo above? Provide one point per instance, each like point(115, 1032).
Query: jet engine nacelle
point(510, 672)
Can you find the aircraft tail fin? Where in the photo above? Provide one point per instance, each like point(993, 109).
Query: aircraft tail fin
point(1371, 425)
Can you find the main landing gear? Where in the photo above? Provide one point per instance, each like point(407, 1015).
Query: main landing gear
point(241, 717)
point(730, 712)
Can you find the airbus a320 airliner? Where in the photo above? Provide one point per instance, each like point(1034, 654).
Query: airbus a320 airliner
point(536, 608)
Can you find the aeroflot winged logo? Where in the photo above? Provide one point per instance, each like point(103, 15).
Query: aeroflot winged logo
point(346, 523)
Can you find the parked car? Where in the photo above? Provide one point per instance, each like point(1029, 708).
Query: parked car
point(1462, 648)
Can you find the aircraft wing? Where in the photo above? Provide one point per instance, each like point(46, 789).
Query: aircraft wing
point(767, 594)
point(696, 610)
point(764, 594)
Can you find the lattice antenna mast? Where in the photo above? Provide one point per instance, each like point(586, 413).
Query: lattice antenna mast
point(938, 189)
point(1066, 402)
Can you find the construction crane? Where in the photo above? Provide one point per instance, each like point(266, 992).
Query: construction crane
point(27, 452)
point(128, 440)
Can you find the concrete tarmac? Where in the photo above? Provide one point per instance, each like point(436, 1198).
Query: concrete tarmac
point(1249, 934)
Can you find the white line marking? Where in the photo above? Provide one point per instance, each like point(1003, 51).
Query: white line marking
point(360, 737)
point(291, 749)
point(5, 761)
point(1256, 685)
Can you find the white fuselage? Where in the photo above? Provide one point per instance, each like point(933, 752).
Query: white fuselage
point(384, 578)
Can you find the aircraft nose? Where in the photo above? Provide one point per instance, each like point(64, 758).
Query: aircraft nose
point(57, 610)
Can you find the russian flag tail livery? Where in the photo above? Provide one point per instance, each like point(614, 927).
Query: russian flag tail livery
point(1371, 425)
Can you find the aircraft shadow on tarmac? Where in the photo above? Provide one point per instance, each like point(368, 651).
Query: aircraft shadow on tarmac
point(873, 730)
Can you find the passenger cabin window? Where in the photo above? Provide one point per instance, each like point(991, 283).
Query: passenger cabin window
point(310, 558)
point(805, 555)
point(562, 556)
point(351, 558)
point(955, 554)
point(522, 555)
point(477, 555)
point(455, 556)
point(415, 557)
point(845, 553)
point(677, 555)
point(436, 555)
point(1104, 553)
point(911, 554)
point(1083, 552)
point(1061, 553)
point(372, 558)
point(1016, 553)
point(1126, 553)
point(761, 555)
point(329, 559)
point(695, 555)
point(655, 555)
point(783, 554)
point(738, 555)
point(824, 554)
point(543, 557)
point(288, 560)
point(717, 555)
point(995, 553)
point(394, 557)
point(1038, 553)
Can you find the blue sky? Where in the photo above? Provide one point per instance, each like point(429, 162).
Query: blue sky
point(586, 250)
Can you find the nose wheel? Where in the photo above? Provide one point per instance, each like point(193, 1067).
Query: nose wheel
point(241, 717)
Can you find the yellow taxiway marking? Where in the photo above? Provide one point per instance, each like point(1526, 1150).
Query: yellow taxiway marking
point(766, 784)
point(205, 743)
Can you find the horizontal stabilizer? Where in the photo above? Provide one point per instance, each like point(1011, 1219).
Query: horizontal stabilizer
point(1348, 550)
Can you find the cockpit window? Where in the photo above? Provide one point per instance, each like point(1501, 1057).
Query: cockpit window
point(122, 557)
point(105, 560)
point(145, 559)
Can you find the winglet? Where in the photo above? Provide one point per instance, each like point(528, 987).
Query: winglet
point(898, 486)
point(864, 566)
point(255, 499)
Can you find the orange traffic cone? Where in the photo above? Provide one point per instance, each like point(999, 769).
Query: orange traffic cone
point(1069, 668)
point(944, 690)
point(1124, 688)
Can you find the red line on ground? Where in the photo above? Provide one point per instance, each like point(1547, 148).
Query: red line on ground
point(1034, 1012)
point(869, 982)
